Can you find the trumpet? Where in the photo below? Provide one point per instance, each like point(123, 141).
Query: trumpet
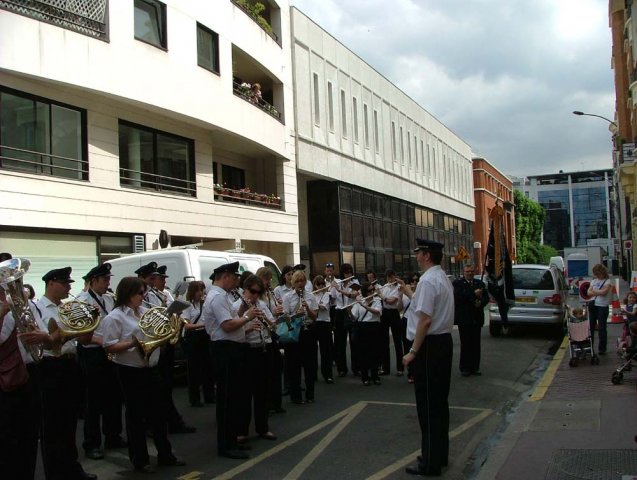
point(77, 318)
point(11, 279)
point(362, 300)
point(329, 284)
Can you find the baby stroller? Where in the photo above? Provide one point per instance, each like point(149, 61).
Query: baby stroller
point(627, 351)
point(580, 340)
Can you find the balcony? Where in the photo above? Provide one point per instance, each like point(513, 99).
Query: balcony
point(88, 17)
point(264, 14)
point(247, 197)
point(256, 85)
point(39, 163)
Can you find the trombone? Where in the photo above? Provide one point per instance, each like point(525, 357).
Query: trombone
point(329, 284)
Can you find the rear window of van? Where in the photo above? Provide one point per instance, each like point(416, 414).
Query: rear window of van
point(532, 279)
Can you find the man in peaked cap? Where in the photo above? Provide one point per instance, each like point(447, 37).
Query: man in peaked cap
point(103, 399)
point(430, 321)
point(228, 346)
point(59, 380)
point(148, 273)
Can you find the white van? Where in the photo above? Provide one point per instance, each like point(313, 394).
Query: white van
point(186, 264)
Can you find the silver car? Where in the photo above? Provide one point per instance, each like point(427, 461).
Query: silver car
point(540, 299)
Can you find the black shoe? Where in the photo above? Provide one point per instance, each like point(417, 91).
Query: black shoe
point(329, 380)
point(366, 383)
point(383, 372)
point(342, 374)
point(272, 411)
point(476, 372)
point(94, 454)
point(298, 401)
point(444, 463)
point(196, 404)
point(170, 461)
point(235, 454)
point(243, 447)
point(418, 470)
point(376, 381)
point(465, 374)
point(182, 428)
point(115, 442)
point(309, 400)
point(145, 469)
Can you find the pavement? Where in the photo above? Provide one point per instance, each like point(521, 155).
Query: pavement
point(574, 424)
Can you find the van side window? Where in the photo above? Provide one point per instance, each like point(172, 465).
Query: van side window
point(276, 275)
point(208, 264)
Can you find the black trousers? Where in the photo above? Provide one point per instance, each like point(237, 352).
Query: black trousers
point(59, 385)
point(166, 366)
point(256, 384)
point(369, 337)
point(342, 330)
point(302, 355)
point(103, 413)
point(144, 394)
point(323, 331)
point(390, 319)
point(276, 377)
point(196, 346)
point(432, 379)
point(228, 358)
point(469, 347)
point(19, 429)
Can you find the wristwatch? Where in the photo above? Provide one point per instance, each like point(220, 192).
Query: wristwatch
point(246, 318)
point(411, 350)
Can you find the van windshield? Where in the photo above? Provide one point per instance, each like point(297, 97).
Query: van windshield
point(532, 279)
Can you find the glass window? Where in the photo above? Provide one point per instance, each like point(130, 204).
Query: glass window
point(330, 106)
point(376, 140)
point(402, 148)
point(356, 201)
point(357, 232)
point(150, 22)
point(343, 114)
point(393, 140)
point(346, 230)
point(355, 118)
point(151, 159)
point(346, 199)
point(42, 137)
point(366, 126)
point(233, 177)
point(207, 49)
point(317, 112)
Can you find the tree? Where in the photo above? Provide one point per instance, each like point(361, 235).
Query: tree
point(529, 221)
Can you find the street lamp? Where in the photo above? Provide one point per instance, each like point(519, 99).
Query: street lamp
point(613, 124)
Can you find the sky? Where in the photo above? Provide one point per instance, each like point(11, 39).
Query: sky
point(504, 75)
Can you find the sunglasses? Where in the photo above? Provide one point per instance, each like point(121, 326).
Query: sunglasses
point(254, 292)
point(329, 265)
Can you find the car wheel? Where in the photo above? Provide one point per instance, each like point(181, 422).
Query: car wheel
point(495, 329)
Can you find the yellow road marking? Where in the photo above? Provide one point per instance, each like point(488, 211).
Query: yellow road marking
point(325, 442)
point(544, 384)
point(403, 462)
point(191, 476)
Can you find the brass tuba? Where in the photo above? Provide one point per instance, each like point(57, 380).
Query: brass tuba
point(159, 326)
point(77, 318)
point(11, 279)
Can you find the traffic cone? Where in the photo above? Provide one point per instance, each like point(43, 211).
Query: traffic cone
point(616, 307)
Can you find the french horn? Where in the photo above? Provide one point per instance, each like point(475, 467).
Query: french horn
point(159, 327)
point(77, 318)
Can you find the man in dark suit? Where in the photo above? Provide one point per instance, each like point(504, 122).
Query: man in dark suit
point(470, 298)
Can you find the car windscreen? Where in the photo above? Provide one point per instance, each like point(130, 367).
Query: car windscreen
point(532, 279)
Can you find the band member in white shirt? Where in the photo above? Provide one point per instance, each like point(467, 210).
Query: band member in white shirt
point(196, 345)
point(323, 328)
point(143, 387)
point(366, 315)
point(227, 331)
point(103, 399)
point(391, 295)
point(302, 354)
point(257, 366)
point(147, 273)
point(342, 293)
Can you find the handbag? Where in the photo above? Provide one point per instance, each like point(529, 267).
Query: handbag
point(289, 328)
point(13, 371)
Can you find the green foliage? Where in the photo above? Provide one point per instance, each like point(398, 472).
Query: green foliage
point(539, 254)
point(255, 9)
point(529, 221)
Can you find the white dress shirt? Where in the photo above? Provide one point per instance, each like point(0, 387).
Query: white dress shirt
point(49, 311)
point(105, 304)
point(119, 326)
point(216, 310)
point(433, 297)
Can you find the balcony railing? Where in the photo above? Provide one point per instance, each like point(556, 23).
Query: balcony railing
point(244, 90)
point(156, 182)
point(89, 17)
point(247, 197)
point(39, 163)
point(245, 6)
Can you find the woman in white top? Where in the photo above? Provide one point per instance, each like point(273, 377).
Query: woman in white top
point(142, 386)
point(304, 353)
point(601, 289)
point(196, 343)
point(366, 315)
point(257, 364)
point(323, 328)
